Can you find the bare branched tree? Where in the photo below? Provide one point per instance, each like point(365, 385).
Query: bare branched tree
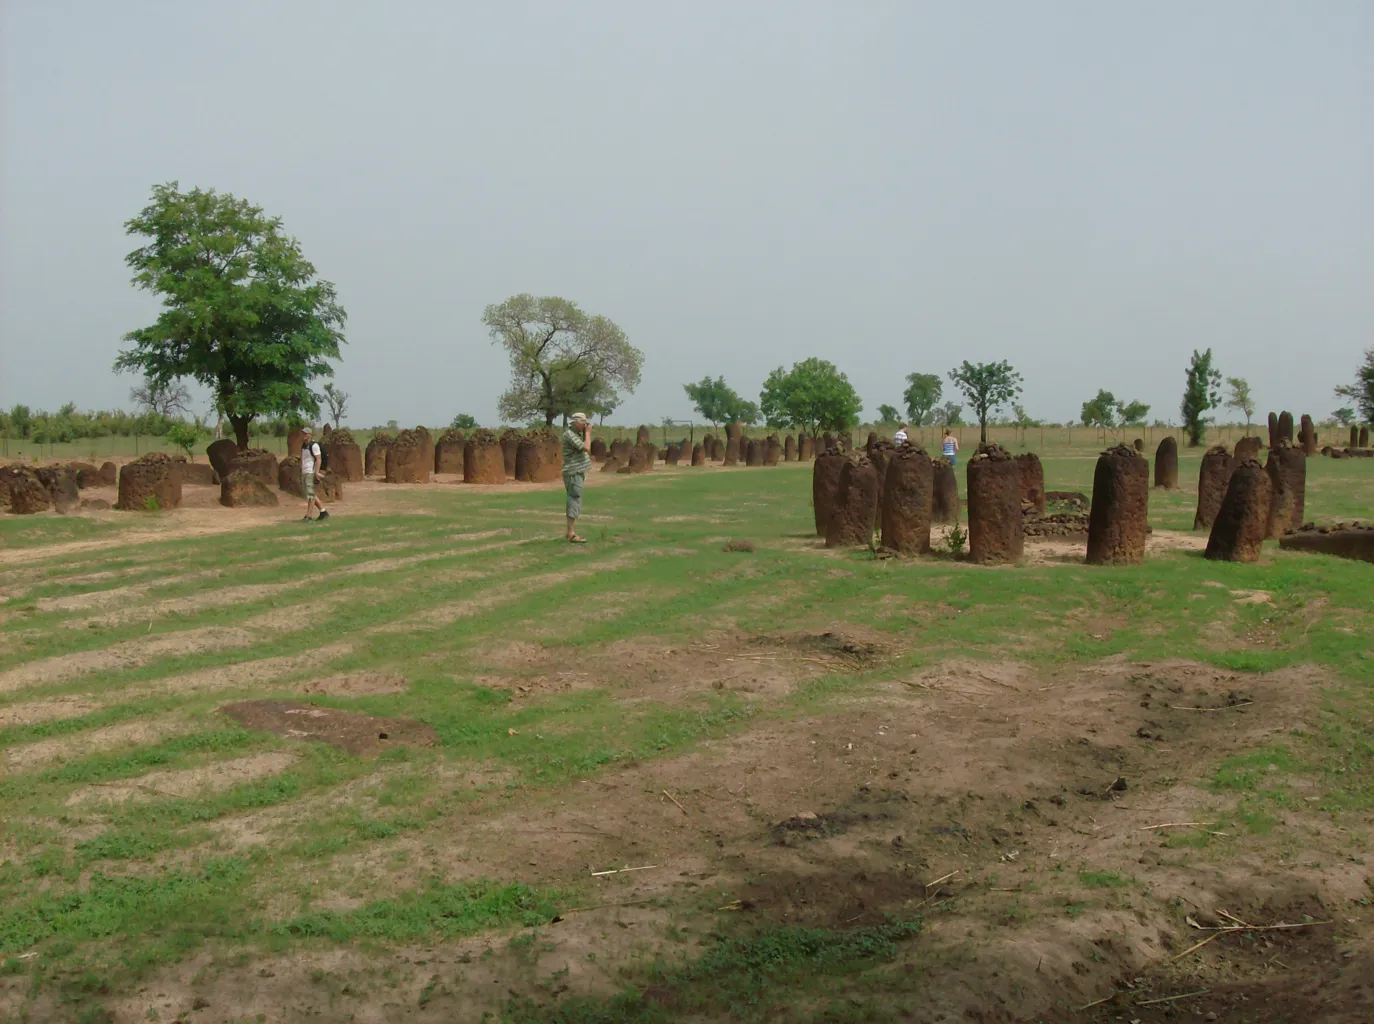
point(169, 398)
point(337, 401)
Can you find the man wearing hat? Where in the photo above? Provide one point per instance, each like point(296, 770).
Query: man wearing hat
point(577, 443)
point(310, 461)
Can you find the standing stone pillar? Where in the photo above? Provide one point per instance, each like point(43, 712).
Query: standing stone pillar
point(772, 450)
point(698, 455)
point(908, 496)
point(642, 434)
point(825, 484)
point(1307, 436)
point(1273, 430)
point(856, 504)
point(1364, 437)
point(754, 454)
point(1247, 448)
point(994, 507)
point(1212, 479)
point(1287, 469)
point(945, 491)
point(1242, 521)
point(1286, 427)
point(789, 449)
point(1354, 436)
point(1166, 464)
point(1032, 481)
point(828, 441)
point(1117, 522)
point(732, 444)
point(806, 448)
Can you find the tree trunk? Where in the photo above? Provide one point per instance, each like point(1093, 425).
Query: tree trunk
point(982, 430)
point(548, 417)
point(240, 424)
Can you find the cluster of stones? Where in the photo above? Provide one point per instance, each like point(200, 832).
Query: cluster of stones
point(25, 490)
point(1345, 540)
point(1056, 524)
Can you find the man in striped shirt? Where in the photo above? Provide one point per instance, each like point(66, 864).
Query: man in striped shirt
point(577, 443)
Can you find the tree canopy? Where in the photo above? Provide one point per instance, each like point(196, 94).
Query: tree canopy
point(951, 414)
point(986, 386)
point(719, 403)
point(562, 360)
point(243, 312)
point(1238, 398)
point(922, 393)
point(1201, 392)
point(888, 414)
point(1344, 415)
point(813, 396)
point(1100, 410)
point(1361, 392)
point(1132, 412)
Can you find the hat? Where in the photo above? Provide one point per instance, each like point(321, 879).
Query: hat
point(306, 430)
point(580, 416)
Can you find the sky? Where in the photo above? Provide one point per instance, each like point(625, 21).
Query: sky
point(1088, 190)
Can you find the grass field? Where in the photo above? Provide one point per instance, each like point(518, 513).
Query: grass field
point(849, 789)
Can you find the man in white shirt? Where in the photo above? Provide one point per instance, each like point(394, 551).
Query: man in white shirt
point(899, 438)
point(311, 457)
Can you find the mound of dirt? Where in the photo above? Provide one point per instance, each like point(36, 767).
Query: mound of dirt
point(352, 731)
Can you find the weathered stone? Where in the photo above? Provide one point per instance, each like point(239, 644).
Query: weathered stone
point(483, 460)
point(201, 474)
point(806, 447)
point(1242, 521)
point(846, 441)
point(673, 453)
point(85, 473)
point(641, 434)
point(60, 482)
point(1166, 464)
point(295, 440)
point(1364, 437)
point(1287, 469)
point(448, 452)
point(611, 464)
point(242, 489)
point(856, 504)
point(328, 484)
point(374, 456)
point(1307, 435)
point(539, 459)
point(1286, 427)
point(1345, 540)
point(1032, 482)
point(698, 455)
point(754, 453)
point(109, 474)
point(994, 507)
point(1354, 436)
point(1212, 479)
point(342, 457)
point(510, 448)
point(408, 459)
point(22, 492)
point(945, 491)
point(598, 451)
point(1139, 445)
point(717, 450)
point(1273, 430)
point(1247, 448)
point(151, 483)
point(789, 449)
point(772, 450)
point(879, 453)
point(828, 442)
point(257, 461)
point(908, 493)
point(220, 453)
point(1118, 520)
point(825, 484)
point(732, 448)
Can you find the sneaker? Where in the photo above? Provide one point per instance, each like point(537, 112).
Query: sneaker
point(306, 519)
point(324, 514)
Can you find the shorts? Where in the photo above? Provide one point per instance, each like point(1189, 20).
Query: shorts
point(953, 460)
point(308, 485)
point(572, 483)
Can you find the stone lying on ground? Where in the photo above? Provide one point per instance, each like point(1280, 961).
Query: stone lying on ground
point(22, 492)
point(409, 458)
point(483, 460)
point(1056, 524)
point(221, 453)
point(1071, 499)
point(994, 507)
point(241, 489)
point(1344, 540)
point(611, 464)
point(150, 483)
point(328, 486)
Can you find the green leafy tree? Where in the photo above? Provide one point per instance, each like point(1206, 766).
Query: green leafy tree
point(1238, 398)
point(463, 421)
point(719, 403)
point(1201, 393)
point(562, 360)
point(185, 436)
point(1344, 415)
point(243, 311)
point(1100, 411)
point(888, 414)
point(987, 386)
point(21, 422)
point(1362, 391)
point(922, 392)
point(1133, 412)
point(951, 414)
point(813, 396)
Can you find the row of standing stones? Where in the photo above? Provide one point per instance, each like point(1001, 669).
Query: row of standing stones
point(901, 492)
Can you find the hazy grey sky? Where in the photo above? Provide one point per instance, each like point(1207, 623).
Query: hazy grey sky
point(1088, 189)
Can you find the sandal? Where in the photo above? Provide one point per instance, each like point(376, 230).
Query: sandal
point(574, 539)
